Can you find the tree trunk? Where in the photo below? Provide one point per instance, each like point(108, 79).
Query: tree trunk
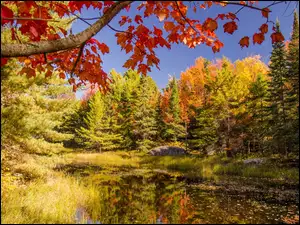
point(248, 147)
point(186, 133)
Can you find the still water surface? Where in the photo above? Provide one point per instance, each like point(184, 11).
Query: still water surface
point(160, 199)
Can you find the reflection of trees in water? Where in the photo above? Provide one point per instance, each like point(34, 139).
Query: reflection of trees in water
point(159, 198)
point(143, 200)
point(176, 206)
point(128, 201)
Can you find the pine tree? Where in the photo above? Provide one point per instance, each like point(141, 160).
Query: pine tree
point(173, 128)
point(278, 94)
point(293, 93)
point(101, 131)
point(174, 100)
point(159, 119)
point(73, 122)
point(33, 109)
point(127, 108)
point(146, 127)
point(293, 57)
point(203, 130)
point(256, 105)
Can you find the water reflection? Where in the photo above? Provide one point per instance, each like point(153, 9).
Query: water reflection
point(161, 199)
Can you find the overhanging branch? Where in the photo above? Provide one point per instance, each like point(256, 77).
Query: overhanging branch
point(73, 41)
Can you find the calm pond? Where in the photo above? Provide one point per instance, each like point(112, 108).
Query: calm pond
point(160, 199)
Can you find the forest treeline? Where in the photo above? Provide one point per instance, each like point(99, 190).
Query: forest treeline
point(237, 107)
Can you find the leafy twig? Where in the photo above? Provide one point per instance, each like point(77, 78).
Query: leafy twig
point(185, 17)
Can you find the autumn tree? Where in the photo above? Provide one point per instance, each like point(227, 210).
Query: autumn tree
point(79, 56)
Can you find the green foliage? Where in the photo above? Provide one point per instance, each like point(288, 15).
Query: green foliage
point(172, 129)
point(123, 118)
point(33, 108)
point(174, 99)
point(146, 127)
point(203, 131)
point(293, 58)
point(278, 98)
point(293, 77)
point(102, 131)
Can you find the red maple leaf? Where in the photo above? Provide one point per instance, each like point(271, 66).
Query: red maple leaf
point(230, 27)
point(6, 13)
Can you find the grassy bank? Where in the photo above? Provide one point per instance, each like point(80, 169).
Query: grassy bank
point(32, 192)
point(216, 165)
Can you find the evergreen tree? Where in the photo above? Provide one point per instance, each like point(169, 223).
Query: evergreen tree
point(203, 130)
point(293, 93)
point(127, 108)
point(173, 129)
point(73, 122)
point(174, 100)
point(33, 109)
point(278, 95)
point(102, 130)
point(159, 119)
point(293, 58)
point(256, 104)
point(146, 127)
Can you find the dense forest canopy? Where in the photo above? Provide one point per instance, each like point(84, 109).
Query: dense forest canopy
point(35, 36)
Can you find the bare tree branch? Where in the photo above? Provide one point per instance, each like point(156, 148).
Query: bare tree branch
point(239, 10)
point(27, 18)
point(249, 6)
point(73, 41)
point(77, 60)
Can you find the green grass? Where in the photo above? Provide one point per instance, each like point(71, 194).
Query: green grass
point(108, 159)
point(52, 202)
point(216, 165)
point(259, 171)
point(41, 195)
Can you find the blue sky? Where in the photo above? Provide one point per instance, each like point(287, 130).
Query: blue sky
point(180, 57)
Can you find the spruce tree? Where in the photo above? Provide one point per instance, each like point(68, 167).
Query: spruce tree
point(127, 108)
point(203, 130)
point(293, 93)
point(33, 108)
point(278, 95)
point(102, 130)
point(293, 57)
point(256, 104)
point(146, 127)
point(174, 100)
point(174, 129)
